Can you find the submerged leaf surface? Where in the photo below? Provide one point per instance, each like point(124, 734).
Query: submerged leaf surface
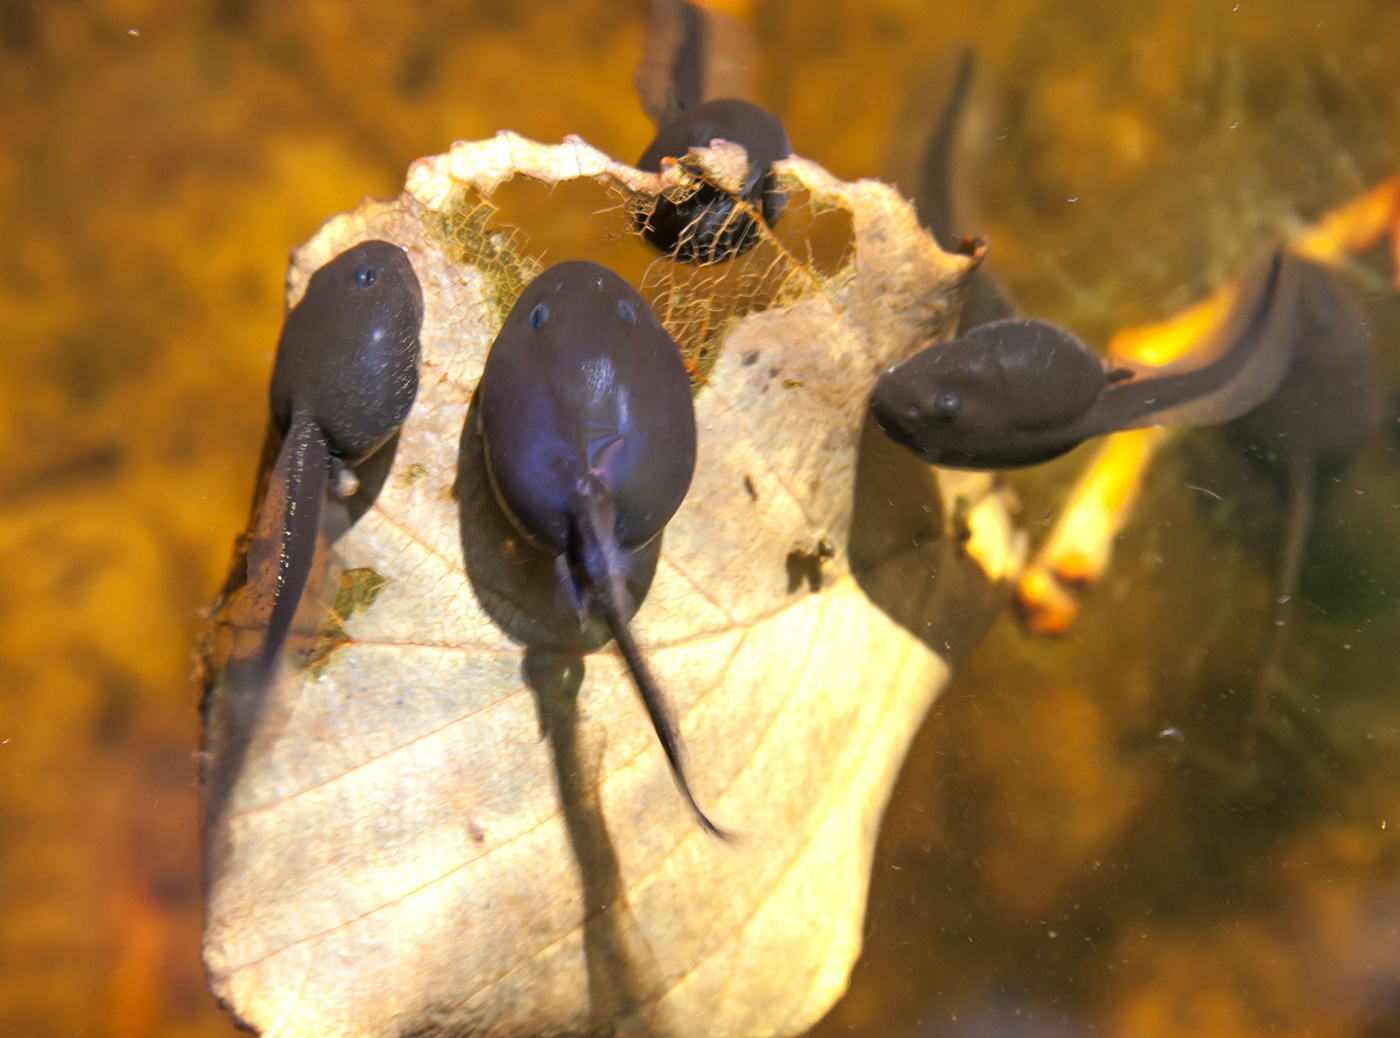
point(455, 818)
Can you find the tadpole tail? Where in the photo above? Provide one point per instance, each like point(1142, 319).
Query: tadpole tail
point(1253, 353)
point(671, 75)
point(1300, 474)
point(661, 720)
point(279, 562)
point(596, 554)
point(291, 519)
point(933, 196)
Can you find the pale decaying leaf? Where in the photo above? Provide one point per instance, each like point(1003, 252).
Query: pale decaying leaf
point(447, 823)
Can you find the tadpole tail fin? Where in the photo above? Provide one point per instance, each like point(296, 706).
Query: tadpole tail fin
point(933, 196)
point(283, 550)
point(1300, 475)
point(595, 552)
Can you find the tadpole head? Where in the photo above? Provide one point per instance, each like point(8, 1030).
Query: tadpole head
point(583, 382)
point(922, 403)
point(349, 349)
point(901, 408)
point(1007, 393)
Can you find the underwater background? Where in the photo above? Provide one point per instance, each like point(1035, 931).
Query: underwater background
point(1050, 864)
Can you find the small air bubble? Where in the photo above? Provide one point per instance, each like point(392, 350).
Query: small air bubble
point(347, 484)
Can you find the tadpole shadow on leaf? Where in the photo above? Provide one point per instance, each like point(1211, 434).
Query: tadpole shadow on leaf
point(521, 590)
point(612, 942)
point(909, 557)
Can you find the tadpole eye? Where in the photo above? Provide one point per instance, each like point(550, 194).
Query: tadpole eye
point(625, 309)
point(538, 316)
point(948, 403)
point(365, 275)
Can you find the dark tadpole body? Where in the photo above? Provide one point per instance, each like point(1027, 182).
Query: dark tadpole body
point(586, 413)
point(682, 86)
point(1021, 391)
point(709, 225)
point(345, 378)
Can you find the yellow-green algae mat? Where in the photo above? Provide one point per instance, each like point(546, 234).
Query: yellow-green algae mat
point(437, 827)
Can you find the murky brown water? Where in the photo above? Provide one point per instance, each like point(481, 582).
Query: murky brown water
point(1049, 865)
